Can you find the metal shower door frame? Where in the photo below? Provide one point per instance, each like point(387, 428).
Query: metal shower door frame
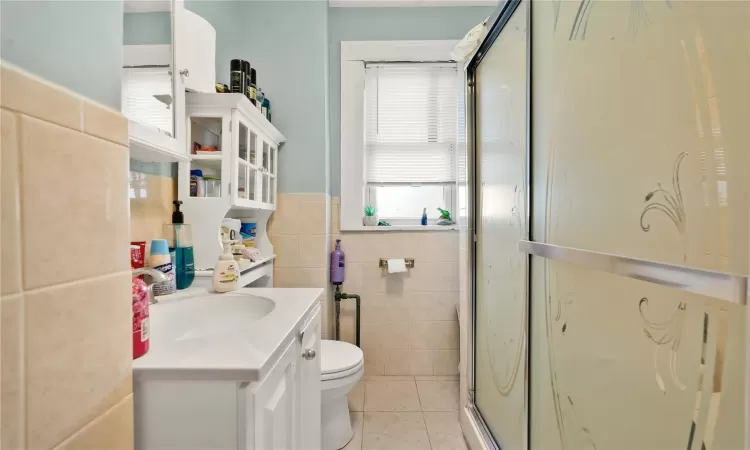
point(496, 23)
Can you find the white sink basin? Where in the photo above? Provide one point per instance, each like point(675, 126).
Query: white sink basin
point(207, 316)
point(200, 335)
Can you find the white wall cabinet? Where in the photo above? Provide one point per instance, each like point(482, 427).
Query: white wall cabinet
point(280, 412)
point(236, 149)
point(195, 51)
point(189, 63)
point(231, 141)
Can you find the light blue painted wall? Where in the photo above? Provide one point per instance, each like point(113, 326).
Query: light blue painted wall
point(384, 24)
point(229, 19)
point(286, 42)
point(76, 44)
point(288, 48)
point(147, 28)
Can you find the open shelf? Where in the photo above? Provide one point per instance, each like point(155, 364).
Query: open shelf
point(249, 272)
point(210, 161)
point(148, 144)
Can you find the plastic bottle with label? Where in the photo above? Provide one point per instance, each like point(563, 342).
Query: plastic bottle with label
point(161, 259)
point(226, 276)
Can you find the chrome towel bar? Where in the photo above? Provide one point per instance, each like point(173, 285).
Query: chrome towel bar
point(720, 285)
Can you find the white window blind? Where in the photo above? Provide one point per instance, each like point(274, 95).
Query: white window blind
point(139, 85)
point(410, 123)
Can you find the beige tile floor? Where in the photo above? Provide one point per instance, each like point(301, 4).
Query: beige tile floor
point(405, 413)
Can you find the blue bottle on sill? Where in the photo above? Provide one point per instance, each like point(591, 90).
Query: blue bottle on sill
point(424, 216)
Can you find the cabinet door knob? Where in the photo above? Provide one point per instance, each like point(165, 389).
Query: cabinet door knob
point(309, 354)
point(185, 72)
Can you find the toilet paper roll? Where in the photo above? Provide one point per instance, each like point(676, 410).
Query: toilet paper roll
point(396, 265)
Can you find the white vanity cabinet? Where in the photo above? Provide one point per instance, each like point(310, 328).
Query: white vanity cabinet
point(286, 406)
point(279, 412)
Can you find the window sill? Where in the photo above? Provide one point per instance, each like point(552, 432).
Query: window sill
point(453, 227)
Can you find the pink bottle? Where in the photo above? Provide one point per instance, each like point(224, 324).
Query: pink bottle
point(337, 264)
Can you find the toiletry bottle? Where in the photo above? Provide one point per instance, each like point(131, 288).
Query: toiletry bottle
point(266, 109)
point(161, 260)
point(236, 81)
point(259, 96)
point(180, 240)
point(253, 85)
point(226, 271)
point(424, 216)
point(246, 72)
point(337, 264)
point(197, 185)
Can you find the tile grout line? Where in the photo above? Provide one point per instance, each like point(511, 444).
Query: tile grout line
point(42, 119)
point(65, 284)
point(419, 397)
point(427, 430)
point(92, 422)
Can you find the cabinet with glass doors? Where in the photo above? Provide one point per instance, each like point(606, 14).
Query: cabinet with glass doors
point(233, 153)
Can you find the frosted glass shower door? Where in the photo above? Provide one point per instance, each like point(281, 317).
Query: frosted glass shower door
point(501, 270)
point(641, 149)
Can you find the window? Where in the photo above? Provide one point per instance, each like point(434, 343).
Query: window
point(399, 137)
point(410, 139)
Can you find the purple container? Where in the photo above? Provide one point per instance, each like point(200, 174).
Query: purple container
point(337, 264)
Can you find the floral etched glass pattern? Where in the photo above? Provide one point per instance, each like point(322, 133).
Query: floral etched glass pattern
point(640, 148)
point(640, 126)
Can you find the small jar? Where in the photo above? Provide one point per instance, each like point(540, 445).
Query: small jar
point(213, 187)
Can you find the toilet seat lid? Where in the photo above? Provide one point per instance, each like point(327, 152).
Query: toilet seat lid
point(337, 356)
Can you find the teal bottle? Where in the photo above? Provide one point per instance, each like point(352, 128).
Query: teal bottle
point(180, 238)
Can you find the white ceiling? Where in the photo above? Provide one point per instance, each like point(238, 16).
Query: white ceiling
point(408, 3)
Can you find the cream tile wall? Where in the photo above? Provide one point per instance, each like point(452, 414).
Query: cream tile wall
point(409, 323)
point(299, 231)
point(150, 205)
point(65, 310)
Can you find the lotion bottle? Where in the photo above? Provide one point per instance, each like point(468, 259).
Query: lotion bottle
point(226, 271)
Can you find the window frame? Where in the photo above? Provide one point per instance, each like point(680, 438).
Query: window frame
point(355, 191)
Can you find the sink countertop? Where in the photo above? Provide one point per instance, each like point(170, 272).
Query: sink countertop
point(237, 354)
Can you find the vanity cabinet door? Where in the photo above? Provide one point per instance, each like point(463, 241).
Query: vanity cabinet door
point(275, 405)
point(308, 377)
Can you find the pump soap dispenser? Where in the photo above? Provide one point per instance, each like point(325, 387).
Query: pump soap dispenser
point(180, 240)
point(226, 271)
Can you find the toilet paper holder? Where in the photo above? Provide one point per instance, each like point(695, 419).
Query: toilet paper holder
point(384, 263)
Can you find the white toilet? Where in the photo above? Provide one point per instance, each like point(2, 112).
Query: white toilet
point(342, 365)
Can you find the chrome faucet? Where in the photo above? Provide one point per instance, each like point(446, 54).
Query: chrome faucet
point(156, 277)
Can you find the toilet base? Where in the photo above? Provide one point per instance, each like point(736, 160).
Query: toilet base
point(336, 430)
